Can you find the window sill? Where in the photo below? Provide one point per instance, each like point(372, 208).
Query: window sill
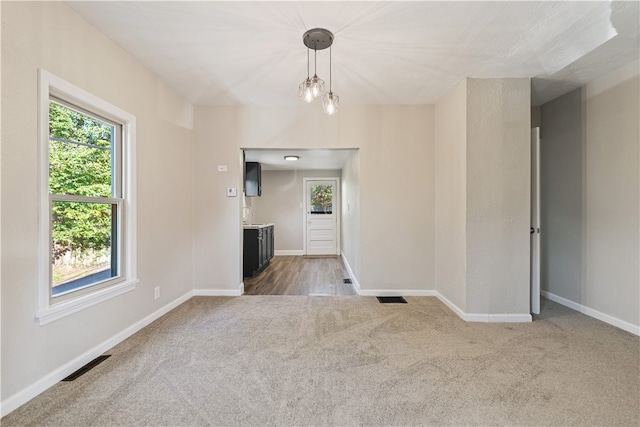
point(66, 308)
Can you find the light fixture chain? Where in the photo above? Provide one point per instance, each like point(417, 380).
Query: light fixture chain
point(308, 63)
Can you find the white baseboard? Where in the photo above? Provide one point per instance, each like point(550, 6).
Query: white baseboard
point(624, 325)
point(285, 252)
point(498, 318)
point(397, 292)
point(467, 317)
point(457, 310)
point(13, 402)
point(485, 317)
point(219, 292)
point(352, 276)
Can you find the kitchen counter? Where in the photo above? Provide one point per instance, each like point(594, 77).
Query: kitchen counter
point(256, 226)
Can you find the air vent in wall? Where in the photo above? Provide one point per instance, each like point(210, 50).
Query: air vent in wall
point(86, 368)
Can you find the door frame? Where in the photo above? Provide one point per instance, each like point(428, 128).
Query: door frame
point(337, 209)
point(535, 244)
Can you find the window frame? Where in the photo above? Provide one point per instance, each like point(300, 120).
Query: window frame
point(115, 199)
point(53, 88)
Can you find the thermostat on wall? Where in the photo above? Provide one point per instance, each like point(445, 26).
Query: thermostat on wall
point(231, 192)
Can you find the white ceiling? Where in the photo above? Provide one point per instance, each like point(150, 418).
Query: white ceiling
point(309, 159)
point(384, 52)
point(251, 53)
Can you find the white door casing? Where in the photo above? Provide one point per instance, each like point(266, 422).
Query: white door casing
point(321, 220)
point(535, 220)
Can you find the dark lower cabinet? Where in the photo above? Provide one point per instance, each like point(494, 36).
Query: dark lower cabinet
point(258, 250)
point(269, 242)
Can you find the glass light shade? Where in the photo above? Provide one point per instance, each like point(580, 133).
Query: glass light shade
point(330, 103)
point(305, 90)
point(317, 86)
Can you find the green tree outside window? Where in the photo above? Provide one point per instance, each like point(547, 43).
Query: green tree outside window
point(321, 198)
point(80, 153)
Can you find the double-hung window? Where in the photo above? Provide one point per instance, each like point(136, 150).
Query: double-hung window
point(87, 203)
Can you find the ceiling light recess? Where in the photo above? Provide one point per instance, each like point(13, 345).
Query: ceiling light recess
point(313, 87)
point(291, 158)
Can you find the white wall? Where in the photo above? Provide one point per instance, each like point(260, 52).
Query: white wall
point(498, 195)
point(482, 199)
point(351, 214)
point(217, 237)
point(451, 219)
point(612, 185)
point(48, 35)
point(282, 193)
point(396, 185)
point(561, 219)
point(397, 198)
point(594, 196)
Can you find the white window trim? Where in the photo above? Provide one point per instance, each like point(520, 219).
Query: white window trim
point(48, 312)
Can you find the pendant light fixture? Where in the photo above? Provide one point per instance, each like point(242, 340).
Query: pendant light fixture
point(330, 101)
point(305, 90)
point(318, 39)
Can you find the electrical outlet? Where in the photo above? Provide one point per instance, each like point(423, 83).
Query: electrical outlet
point(156, 294)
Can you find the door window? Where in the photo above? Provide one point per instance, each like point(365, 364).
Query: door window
point(321, 199)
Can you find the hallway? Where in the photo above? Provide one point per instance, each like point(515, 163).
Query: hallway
point(301, 275)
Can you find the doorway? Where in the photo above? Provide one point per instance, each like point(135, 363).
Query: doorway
point(307, 260)
point(321, 216)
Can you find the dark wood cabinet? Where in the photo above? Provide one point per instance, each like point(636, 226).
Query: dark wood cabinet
point(268, 238)
point(258, 250)
point(253, 179)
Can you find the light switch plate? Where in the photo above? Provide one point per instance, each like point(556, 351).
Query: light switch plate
point(222, 168)
point(231, 192)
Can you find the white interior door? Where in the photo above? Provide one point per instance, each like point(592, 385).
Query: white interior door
point(321, 216)
point(535, 220)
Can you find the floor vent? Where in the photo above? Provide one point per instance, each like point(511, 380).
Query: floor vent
point(392, 300)
point(86, 368)
point(346, 281)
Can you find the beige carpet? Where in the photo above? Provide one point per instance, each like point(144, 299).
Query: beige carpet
point(296, 360)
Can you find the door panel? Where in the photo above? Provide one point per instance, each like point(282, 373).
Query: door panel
point(321, 217)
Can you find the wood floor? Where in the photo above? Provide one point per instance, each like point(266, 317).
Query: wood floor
point(298, 275)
